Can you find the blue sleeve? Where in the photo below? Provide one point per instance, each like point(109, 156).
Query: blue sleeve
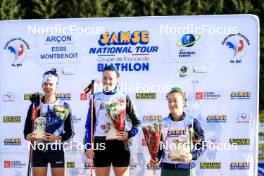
point(132, 132)
point(199, 134)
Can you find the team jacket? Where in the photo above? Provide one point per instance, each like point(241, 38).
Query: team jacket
point(100, 119)
point(57, 119)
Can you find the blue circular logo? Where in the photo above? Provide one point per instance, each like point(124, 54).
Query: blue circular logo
point(188, 40)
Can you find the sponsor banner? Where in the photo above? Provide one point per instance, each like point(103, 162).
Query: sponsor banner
point(240, 141)
point(210, 165)
point(62, 96)
point(239, 166)
point(240, 95)
point(129, 51)
point(9, 97)
point(145, 95)
point(206, 56)
point(13, 164)
point(17, 49)
point(238, 44)
point(61, 49)
point(11, 119)
point(12, 141)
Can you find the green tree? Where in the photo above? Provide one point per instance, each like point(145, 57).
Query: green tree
point(45, 8)
point(10, 9)
point(69, 9)
point(95, 8)
point(113, 8)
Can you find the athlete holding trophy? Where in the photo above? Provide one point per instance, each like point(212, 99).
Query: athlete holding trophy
point(47, 125)
point(182, 138)
point(108, 118)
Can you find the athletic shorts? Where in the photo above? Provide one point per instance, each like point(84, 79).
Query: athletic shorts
point(41, 158)
point(115, 152)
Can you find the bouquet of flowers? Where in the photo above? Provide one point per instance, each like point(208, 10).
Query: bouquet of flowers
point(152, 134)
point(61, 111)
point(116, 112)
